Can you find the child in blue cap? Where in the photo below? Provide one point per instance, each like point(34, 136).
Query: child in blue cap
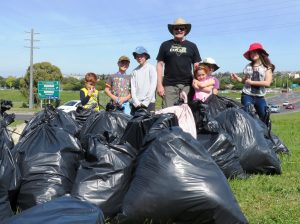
point(143, 82)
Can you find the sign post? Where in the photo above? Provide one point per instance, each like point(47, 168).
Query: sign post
point(48, 90)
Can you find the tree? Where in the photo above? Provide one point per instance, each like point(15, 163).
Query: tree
point(43, 71)
point(71, 83)
point(2, 81)
point(16, 84)
point(10, 80)
point(101, 84)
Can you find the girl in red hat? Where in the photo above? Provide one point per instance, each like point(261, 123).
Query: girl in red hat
point(257, 76)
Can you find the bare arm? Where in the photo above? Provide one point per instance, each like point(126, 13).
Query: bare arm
point(200, 85)
point(235, 77)
point(267, 82)
point(159, 69)
point(124, 99)
point(109, 93)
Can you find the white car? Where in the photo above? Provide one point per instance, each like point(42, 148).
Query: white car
point(69, 106)
point(275, 109)
point(285, 103)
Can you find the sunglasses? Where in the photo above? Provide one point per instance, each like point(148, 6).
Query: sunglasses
point(179, 28)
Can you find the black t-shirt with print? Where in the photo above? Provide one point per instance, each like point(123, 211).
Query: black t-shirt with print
point(179, 58)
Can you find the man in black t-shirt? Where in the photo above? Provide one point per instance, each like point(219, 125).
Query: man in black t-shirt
point(176, 57)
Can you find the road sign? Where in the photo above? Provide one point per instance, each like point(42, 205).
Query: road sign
point(48, 89)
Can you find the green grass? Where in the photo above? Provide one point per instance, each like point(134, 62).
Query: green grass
point(275, 199)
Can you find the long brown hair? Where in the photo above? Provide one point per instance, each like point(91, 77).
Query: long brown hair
point(265, 60)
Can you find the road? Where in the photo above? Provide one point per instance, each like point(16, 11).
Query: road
point(292, 97)
point(23, 116)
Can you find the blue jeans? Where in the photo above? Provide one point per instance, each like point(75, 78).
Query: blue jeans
point(258, 102)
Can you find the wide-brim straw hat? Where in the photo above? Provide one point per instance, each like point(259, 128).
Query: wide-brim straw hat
point(254, 47)
point(210, 61)
point(180, 22)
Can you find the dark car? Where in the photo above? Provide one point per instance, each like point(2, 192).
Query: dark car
point(290, 106)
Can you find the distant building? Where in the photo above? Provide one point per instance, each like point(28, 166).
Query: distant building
point(76, 76)
point(294, 75)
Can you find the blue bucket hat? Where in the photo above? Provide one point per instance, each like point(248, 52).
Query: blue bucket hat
point(141, 50)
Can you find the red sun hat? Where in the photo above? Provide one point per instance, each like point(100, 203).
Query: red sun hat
point(254, 47)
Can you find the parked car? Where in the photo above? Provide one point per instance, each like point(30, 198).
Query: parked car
point(285, 103)
point(290, 106)
point(69, 106)
point(274, 108)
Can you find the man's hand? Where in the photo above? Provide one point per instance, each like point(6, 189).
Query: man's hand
point(161, 90)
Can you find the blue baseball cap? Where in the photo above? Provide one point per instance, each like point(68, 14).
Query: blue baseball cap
point(141, 50)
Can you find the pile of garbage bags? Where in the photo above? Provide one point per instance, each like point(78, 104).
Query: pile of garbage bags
point(108, 165)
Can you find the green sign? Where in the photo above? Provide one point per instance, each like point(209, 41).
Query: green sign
point(48, 89)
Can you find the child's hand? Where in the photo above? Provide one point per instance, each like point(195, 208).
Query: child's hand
point(248, 81)
point(233, 76)
point(91, 90)
point(195, 84)
point(122, 100)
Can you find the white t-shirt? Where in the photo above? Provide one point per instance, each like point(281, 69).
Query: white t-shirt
point(143, 85)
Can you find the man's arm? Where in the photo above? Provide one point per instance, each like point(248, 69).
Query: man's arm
point(159, 69)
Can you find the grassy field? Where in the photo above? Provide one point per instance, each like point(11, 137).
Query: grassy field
point(275, 199)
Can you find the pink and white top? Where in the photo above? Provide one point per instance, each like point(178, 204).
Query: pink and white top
point(201, 95)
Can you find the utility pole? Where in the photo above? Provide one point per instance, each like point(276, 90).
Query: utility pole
point(31, 67)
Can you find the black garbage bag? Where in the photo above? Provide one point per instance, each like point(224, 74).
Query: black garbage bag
point(48, 158)
point(109, 124)
point(139, 126)
point(82, 114)
point(278, 145)
point(5, 105)
point(163, 121)
point(103, 178)
point(7, 119)
point(217, 104)
point(54, 118)
point(254, 151)
point(176, 181)
point(63, 210)
point(204, 111)
point(222, 149)
point(273, 140)
point(9, 172)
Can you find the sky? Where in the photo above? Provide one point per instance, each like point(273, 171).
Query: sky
point(90, 35)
